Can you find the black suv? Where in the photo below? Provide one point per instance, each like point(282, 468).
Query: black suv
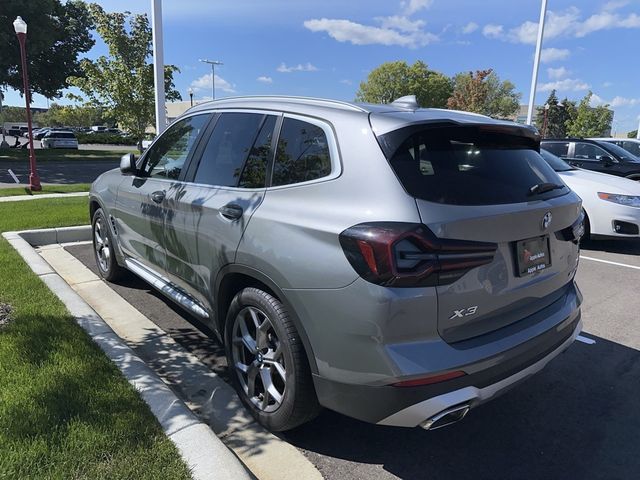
point(595, 155)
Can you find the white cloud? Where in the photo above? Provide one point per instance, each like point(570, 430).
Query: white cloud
point(204, 82)
point(264, 79)
point(404, 24)
point(307, 67)
point(566, 85)
point(549, 55)
point(558, 73)
point(470, 28)
point(358, 34)
point(569, 23)
point(607, 84)
point(596, 100)
point(493, 31)
point(624, 102)
point(409, 7)
point(346, 82)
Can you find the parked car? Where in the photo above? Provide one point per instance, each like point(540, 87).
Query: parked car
point(611, 204)
point(595, 155)
point(631, 145)
point(395, 264)
point(39, 133)
point(14, 131)
point(59, 139)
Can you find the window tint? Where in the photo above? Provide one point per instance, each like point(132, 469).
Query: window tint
point(589, 152)
point(560, 149)
point(236, 138)
point(632, 147)
point(167, 155)
point(302, 154)
point(465, 166)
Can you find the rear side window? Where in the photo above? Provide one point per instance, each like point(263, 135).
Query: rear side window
point(632, 147)
point(302, 154)
point(559, 149)
point(237, 152)
point(466, 166)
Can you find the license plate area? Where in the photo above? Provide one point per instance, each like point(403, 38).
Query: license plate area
point(532, 255)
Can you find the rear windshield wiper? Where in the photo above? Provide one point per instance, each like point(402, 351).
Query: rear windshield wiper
point(544, 187)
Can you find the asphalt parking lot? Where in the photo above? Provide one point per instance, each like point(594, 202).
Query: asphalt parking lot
point(578, 418)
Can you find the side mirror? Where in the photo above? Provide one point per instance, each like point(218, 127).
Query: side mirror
point(607, 160)
point(128, 163)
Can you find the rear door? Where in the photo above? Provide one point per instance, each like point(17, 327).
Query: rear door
point(141, 204)
point(208, 214)
point(480, 186)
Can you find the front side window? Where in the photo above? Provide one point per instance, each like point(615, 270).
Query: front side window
point(468, 166)
point(302, 154)
point(237, 152)
point(589, 152)
point(166, 157)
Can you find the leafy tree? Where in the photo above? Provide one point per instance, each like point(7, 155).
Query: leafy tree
point(483, 92)
point(122, 83)
point(58, 32)
point(558, 114)
point(632, 134)
point(393, 80)
point(14, 114)
point(72, 116)
point(587, 121)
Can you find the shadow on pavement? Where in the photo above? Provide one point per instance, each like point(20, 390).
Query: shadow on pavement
point(578, 418)
point(624, 246)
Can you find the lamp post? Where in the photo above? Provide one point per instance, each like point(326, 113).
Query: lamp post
point(544, 124)
point(213, 64)
point(536, 62)
point(191, 95)
point(20, 27)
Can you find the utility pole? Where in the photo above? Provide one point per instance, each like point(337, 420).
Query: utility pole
point(536, 62)
point(213, 64)
point(158, 65)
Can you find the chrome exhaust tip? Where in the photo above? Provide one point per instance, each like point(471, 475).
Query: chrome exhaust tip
point(446, 417)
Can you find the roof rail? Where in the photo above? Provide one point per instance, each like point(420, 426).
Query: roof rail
point(291, 99)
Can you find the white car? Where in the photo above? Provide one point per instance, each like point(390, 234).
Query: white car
point(612, 204)
point(631, 145)
point(59, 139)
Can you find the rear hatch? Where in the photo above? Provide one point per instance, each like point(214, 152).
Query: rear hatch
point(487, 183)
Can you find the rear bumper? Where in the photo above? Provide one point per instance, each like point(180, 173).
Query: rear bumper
point(410, 407)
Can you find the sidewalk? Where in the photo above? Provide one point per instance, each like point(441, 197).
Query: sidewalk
point(19, 198)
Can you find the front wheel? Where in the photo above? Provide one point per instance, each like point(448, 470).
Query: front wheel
point(267, 362)
point(103, 248)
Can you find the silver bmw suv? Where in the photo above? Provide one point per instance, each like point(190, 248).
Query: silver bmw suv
point(395, 264)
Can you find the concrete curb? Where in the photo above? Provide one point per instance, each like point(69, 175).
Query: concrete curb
point(20, 198)
point(204, 453)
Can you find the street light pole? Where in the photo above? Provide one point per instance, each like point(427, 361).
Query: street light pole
point(21, 32)
point(191, 95)
point(544, 124)
point(213, 64)
point(536, 62)
point(158, 65)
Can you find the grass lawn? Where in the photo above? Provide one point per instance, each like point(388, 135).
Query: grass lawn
point(65, 410)
point(55, 155)
point(74, 187)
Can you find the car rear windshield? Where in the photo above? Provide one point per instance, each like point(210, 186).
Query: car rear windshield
point(62, 135)
point(470, 166)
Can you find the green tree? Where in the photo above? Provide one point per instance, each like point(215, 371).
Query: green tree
point(483, 92)
point(558, 114)
point(393, 80)
point(588, 121)
point(632, 134)
point(58, 32)
point(14, 114)
point(72, 116)
point(122, 83)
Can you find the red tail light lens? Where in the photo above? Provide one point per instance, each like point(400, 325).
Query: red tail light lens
point(410, 255)
point(418, 382)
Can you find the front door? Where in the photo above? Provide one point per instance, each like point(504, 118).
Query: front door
point(140, 210)
point(208, 214)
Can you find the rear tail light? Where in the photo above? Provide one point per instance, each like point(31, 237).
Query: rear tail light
point(410, 255)
point(418, 382)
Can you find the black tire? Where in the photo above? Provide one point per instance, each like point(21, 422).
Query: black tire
point(103, 249)
point(298, 403)
point(587, 227)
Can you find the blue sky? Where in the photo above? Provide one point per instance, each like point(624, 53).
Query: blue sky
point(325, 48)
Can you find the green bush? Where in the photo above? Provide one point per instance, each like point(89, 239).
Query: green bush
point(105, 138)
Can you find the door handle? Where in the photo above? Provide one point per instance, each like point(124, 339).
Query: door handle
point(158, 196)
point(231, 211)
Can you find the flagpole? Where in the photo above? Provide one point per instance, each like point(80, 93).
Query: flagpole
point(536, 62)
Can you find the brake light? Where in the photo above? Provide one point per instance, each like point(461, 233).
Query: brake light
point(418, 382)
point(409, 255)
point(575, 231)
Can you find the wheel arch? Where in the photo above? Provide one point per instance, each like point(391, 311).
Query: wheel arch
point(234, 278)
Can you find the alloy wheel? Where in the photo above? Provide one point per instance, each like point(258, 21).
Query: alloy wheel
point(101, 244)
point(258, 359)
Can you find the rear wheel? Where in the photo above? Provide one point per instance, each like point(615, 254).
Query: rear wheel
point(267, 362)
point(103, 248)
